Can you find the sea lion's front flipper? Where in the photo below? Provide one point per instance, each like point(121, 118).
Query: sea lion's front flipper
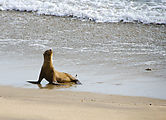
point(34, 82)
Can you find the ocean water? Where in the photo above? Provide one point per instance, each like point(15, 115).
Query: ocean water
point(108, 55)
point(142, 11)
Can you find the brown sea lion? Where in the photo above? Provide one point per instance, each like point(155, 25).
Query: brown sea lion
point(47, 70)
point(50, 74)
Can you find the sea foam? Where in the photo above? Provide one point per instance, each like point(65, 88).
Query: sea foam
point(143, 11)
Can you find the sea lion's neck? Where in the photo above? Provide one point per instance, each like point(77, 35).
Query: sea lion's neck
point(48, 60)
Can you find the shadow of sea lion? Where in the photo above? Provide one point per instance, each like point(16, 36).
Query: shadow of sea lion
point(50, 86)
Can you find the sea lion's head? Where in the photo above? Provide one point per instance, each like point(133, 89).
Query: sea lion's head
point(48, 55)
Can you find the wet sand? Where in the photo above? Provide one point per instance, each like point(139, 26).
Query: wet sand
point(33, 104)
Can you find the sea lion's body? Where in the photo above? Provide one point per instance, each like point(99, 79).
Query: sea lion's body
point(50, 74)
point(47, 72)
point(62, 77)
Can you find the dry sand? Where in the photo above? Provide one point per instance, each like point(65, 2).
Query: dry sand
point(35, 104)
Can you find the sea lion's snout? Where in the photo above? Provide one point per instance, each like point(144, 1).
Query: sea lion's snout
point(48, 52)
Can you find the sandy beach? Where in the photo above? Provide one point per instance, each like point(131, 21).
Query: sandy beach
point(32, 104)
point(110, 59)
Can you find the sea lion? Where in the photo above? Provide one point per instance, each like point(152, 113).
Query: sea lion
point(50, 74)
point(47, 70)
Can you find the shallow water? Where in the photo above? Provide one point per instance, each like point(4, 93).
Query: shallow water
point(108, 58)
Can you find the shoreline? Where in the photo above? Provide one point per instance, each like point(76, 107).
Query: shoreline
point(84, 20)
point(35, 104)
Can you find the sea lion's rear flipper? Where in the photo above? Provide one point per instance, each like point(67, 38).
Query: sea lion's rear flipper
point(34, 82)
point(77, 82)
